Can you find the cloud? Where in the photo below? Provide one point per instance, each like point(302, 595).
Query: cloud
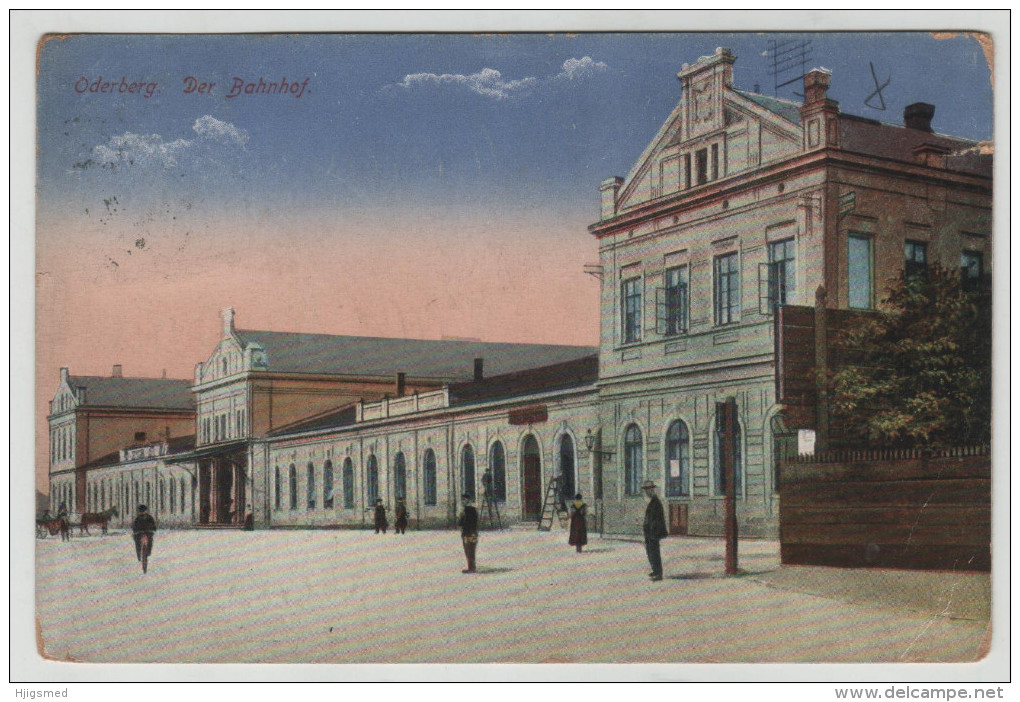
point(140, 149)
point(576, 69)
point(210, 127)
point(490, 82)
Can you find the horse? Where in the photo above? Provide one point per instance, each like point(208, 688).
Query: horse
point(96, 518)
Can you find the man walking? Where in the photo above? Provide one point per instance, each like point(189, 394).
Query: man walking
point(468, 524)
point(655, 529)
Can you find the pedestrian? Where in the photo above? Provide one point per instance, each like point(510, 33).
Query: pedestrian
point(381, 524)
point(655, 528)
point(468, 524)
point(144, 523)
point(249, 520)
point(65, 522)
point(400, 523)
point(578, 523)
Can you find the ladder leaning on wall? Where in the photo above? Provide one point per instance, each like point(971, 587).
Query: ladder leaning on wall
point(551, 508)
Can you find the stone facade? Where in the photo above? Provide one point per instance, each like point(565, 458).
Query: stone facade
point(741, 203)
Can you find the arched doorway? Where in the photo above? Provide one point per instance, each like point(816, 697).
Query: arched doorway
point(531, 478)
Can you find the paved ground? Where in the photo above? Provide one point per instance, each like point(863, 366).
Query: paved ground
point(352, 596)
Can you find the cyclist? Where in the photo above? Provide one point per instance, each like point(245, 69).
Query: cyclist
point(143, 524)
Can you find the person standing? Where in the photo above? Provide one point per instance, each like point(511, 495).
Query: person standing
point(381, 523)
point(655, 528)
point(400, 523)
point(578, 523)
point(65, 522)
point(144, 523)
point(468, 524)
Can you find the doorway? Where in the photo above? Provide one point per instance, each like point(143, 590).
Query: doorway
point(531, 479)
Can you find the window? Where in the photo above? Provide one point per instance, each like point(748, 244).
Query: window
point(399, 476)
point(139, 436)
point(568, 487)
point(429, 463)
point(173, 496)
point(915, 255)
point(497, 464)
point(676, 300)
point(183, 493)
point(311, 486)
point(631, 294)
point(727, 288)
point(678, 460)
point(373, 480)
point(859, 272)
point(687, 171)
point(276, 487)
point(782, 273)
point(102, 495)
point(293, 486)
point(717, 459)
point(715, 161)
point(632, 460)
point(971, 269)
point(162, 488)
point(467, 467)
point(348, 479)
point(327, 485)
point(701, 165)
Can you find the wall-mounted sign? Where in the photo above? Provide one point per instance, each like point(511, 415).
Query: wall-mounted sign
point(529, 415)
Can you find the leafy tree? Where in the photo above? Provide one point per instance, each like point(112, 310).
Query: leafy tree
point(918, 374)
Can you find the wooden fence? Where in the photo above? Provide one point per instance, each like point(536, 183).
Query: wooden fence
point(917, 510)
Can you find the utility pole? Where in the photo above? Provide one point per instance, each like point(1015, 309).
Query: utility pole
point(726, 418)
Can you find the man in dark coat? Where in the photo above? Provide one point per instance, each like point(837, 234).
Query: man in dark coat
point(400, 524)
point(468, 524)
point(578, 523)
point(655, 529)
point(65, 522)
point(143, 524)
point(381, 523)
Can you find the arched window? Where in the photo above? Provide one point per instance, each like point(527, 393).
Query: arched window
point(717, 461)
point(311, 486)
point(102, 495)
point(327, 485)
point(276, 489)
point(567, 483)
point(162, 498)
point(148, 493)
point(184, 492)
point(632, 459)
point(429, 463)
point(467, 467)
point(173, 496)
point(293, 486)
point(372, 480)
point(348, 484)
point(497, 464)
point(399, 476)
point(678, 460)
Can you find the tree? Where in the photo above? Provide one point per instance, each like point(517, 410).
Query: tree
point(918, 374)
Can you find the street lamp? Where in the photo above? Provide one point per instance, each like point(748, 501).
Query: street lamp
point(590, 441)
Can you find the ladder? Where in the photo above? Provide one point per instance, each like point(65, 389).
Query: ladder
point(551, 508)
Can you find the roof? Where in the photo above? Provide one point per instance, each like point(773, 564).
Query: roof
point(334, 418)
point(445, 360)
point(176, 445)
point(560, 376)
point(788, 110)
point(868, 136)
point(134, 393)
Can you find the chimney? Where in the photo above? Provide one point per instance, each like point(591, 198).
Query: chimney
point(816, 85)
point(479, 368)
point(918, 116)
point(64, 373)
point(118, 372)
point(610, 190)
point(401, 384)
point(227, 316)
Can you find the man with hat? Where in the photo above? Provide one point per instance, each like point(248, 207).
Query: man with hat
point(468, 524)
point(655, 528)
point(143, 524)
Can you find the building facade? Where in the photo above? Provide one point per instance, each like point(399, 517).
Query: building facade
point(743, 203)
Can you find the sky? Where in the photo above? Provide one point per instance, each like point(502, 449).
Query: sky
point(420, 185)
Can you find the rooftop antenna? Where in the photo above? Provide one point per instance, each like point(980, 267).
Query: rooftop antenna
point(788, 62)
